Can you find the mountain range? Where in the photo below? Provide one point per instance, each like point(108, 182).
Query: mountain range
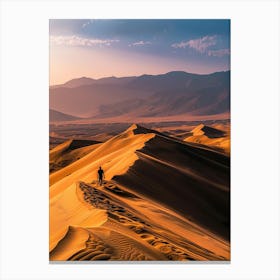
point(58, 116)
point(171, 94)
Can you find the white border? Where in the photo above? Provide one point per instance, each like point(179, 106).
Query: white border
point(255, 138)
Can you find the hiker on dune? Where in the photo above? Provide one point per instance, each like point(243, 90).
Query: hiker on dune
point(101, 176)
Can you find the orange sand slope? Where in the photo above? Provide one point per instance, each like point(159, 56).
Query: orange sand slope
point(163, 199)
point(70, 151)
point(217, 138)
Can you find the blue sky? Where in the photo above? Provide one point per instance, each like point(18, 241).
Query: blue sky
point(134, 47)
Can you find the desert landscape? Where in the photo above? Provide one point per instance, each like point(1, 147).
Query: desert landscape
point(166, 193)
point(162, 145)
point(156, 202)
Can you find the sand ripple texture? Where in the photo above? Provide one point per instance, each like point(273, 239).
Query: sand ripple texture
point(136, 230)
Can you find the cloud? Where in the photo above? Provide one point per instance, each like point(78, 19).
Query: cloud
point(76, 41)
point(218, 53)
point(140, 43)
point(201, 45)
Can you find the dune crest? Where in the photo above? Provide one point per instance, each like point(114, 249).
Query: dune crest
point(211, 137)
point(70, 151)
point(136, 229)
point(74, 240)
point(208, 131)
point(115, 156)
point(156, 203)
point(68, 209)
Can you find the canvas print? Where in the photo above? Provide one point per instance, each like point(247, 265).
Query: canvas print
point(139, 140)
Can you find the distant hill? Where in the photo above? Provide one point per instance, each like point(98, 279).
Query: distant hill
point(173, 93)
point(75, 83)
point(56, 116)
point(83, 81)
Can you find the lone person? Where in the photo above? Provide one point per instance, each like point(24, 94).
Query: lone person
point(100, 176)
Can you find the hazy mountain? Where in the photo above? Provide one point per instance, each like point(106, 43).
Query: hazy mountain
point(173, 93)
point(56, 116)
point(115, 80)
point(85, 101)
point(83, 81)
point(170, 80)
point(75, 83)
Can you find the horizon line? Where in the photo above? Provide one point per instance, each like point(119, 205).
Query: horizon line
point(136, 76)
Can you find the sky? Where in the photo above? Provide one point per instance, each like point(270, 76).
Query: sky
point(99, 48)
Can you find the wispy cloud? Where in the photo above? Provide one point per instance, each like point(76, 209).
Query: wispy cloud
point(219, 53)
point(200, 44)
point(203, 45)
point(140, 43)
point(76, 41)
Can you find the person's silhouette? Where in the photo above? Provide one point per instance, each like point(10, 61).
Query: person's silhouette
point(100, 176)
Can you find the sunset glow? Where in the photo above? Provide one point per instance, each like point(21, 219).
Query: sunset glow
point(102, 48)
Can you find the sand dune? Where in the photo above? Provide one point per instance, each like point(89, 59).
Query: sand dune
point(74, 240)
point(185, 178)
point(163, 199)
point(70, 151)
point(213, 137)
point(54, 141)
point(115, 155)
point(207, 131)
point(136, 229)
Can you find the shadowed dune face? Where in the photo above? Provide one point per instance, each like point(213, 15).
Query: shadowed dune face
point(70, 151)
point(217, 138)
point(163, 199)
point(54, 141)
point(115, 155)
point(135, 229)
point(207, 131)
point(69, 146)
point(190, 180)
